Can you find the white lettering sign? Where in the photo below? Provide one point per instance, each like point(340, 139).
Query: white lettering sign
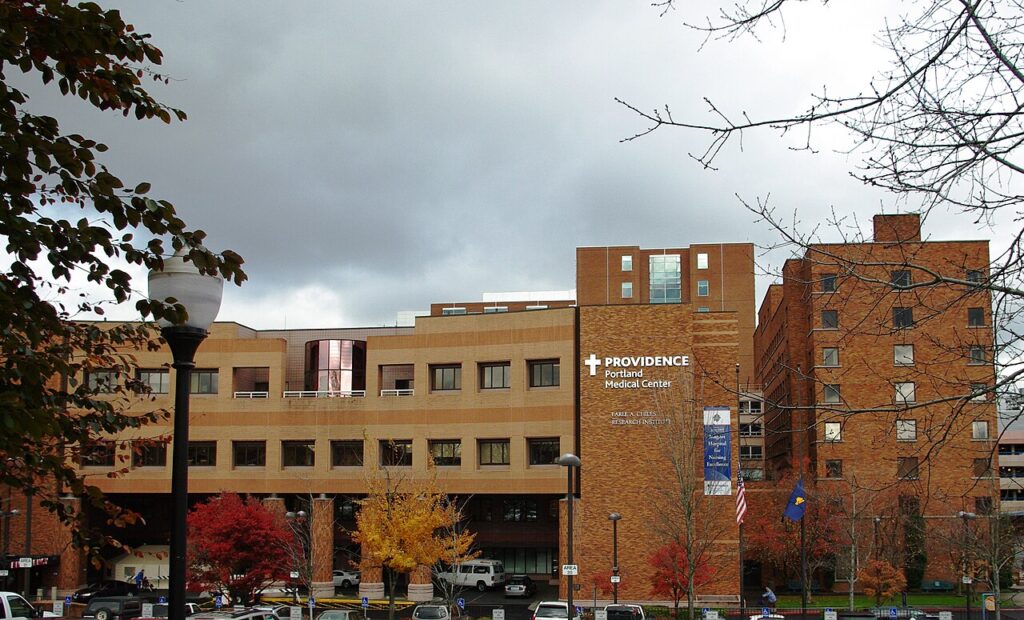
point(635, 361)
point(570, 569)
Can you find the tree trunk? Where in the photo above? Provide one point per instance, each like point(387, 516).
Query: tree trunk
point(392, 579)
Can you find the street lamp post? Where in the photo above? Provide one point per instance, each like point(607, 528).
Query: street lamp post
point(569, 461)
point(878, 521)
point(6, 516)
point(614, 518)
point(200, 295)
point(966, 516)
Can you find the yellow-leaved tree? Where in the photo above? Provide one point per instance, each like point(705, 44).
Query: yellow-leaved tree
point(405, 523)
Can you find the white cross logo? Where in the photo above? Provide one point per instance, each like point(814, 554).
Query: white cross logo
point(592, 362)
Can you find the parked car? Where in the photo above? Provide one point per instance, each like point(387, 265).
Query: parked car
point(520, 585)
point(479, 574)
point(14, 607)
point(237, 614)
point(902, 613)
point(107, 587)
point(430, 612)
point(337, 614)
point(113, 608)
point(346, 578)
point(553, 609)
point(160, 609)
point(625, 612)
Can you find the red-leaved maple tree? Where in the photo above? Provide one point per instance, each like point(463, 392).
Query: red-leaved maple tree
point(670, 574)
point(236, 546)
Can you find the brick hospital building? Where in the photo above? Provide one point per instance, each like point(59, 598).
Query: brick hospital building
point(492, 392)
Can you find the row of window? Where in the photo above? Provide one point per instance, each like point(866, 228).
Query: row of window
point(494, 375)
point(905, 393)
point(703, 289)
point(908, 468)
point(157, 380)
point(898, 278)
point(344, 453)
point(903, 355)
point(906, 430)
point(902, 318)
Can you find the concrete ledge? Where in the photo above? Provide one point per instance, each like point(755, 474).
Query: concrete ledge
point(371, 590)
point(421, 591)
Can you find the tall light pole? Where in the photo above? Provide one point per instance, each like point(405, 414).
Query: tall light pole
point(6, 516)
point(614, 518)
point(966, 580)
point(200, 295)
point(297, 521)
point(568, 461)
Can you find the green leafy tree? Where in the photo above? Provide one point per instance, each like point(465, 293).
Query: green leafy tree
point(64, 214)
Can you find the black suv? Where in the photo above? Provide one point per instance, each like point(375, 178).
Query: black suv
point(109, 587)
point(113, 608)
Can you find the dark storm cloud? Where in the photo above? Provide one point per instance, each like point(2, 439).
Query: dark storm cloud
point(371, 157)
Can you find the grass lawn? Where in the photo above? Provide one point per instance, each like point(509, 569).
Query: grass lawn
point(842, 601)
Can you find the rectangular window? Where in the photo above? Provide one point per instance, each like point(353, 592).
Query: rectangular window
point(204, 381)
point(347, 453)
point(974, 276)
point(833, 431)
point(396, 453)
point(543, 373)
point(830, 356)
point(665, 279)
point(906, 392)
point(298, 453)
point(446, 378)
point(495, 309)
point(445, 452)
point(906, 430)
point(452, 311)
point(102, 381)
point(900, 278)
point(627, 263)
point(627, 290)
point(828, 283)
point(907, 468)
point(249, 453)
point(977, 355)
point(979, 392)
point(830, 319)
point(903, 354)
point(833, 394)
point(154, 380)
point(493, 451)
point(543, 451)
point(495, 376)
point(202, 453)
point(702, 260)
point(981, 468)
point(975, 317)
point(97, 454)
point(149, 454)
point(702, 288)
point(751, 452)
point(979, 429)
point(833, 469)
point(902, 318)
point(753, 429)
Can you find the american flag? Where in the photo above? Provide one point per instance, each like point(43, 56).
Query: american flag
point(741, 500)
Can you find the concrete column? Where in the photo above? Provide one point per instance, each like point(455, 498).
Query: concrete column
point(421, 586)
point(274, 504)
point(72, 565)
point(371, 578)
point(322, 540)
point(563, 521)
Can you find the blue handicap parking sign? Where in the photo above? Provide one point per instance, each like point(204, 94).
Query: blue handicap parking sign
point(312, 602)
point(163, 600)
point(461, 603)
point(366, 602)
point(892, 612)
point(218, 601)
point(67, 600)
point(765, 612)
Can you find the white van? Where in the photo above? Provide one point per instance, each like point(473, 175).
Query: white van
point(479, 574)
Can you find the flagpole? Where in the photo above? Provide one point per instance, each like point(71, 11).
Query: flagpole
point(803, 573)
point(742, 602)
point(739, 478)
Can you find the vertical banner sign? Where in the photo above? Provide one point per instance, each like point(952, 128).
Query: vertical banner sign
point(717, 451)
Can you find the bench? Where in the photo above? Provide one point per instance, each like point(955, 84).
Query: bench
point(934, 585)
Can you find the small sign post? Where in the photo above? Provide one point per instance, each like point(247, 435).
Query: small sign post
point(58, 608)
point(366, 606)
point(498, 614)
point(218, 601)
point(765, 612)
point(830, 614)
point(616, 578)
point(600, 614)
point(295, 612)
point(570, 569)
point(461, 603)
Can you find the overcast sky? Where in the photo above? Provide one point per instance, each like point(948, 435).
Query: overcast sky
point(371, 157)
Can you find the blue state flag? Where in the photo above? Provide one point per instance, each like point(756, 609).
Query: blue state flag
point(797, 502)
